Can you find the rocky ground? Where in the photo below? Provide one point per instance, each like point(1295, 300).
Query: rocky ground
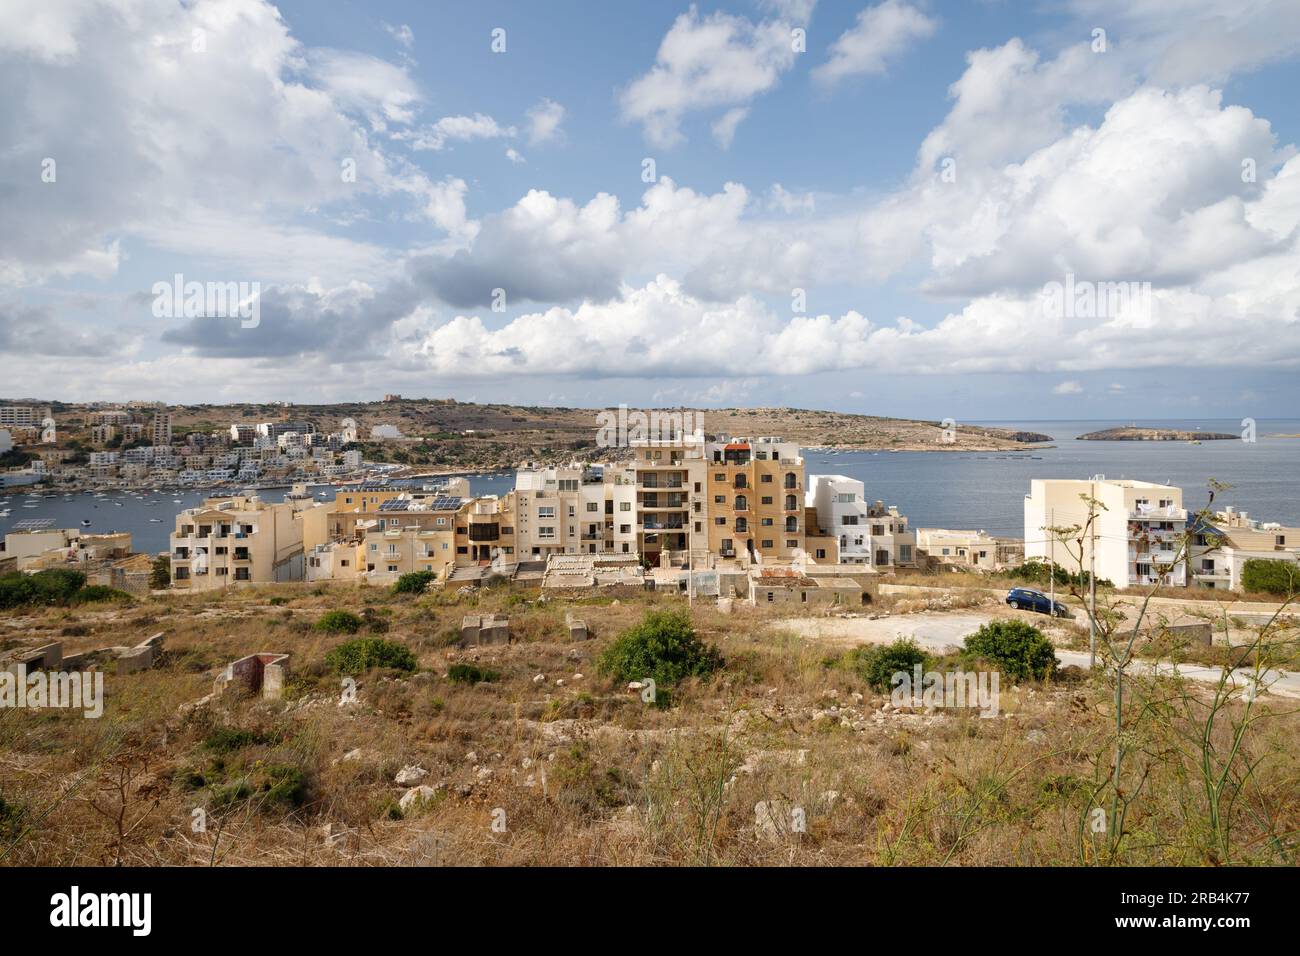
point(784, 756)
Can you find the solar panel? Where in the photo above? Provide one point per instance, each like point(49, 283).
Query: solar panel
point(33, 524)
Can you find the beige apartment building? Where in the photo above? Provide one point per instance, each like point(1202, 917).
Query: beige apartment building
point(669, 508)
point(1140, 531)
point(969, 549)
point(1221, 547)
point(416, 534)
point(754, 500)
point(241, 540)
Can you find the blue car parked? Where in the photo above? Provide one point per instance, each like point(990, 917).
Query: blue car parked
point(1032, 600)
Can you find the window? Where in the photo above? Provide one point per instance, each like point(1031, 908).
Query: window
point(770, 598)
point(721, 522)
point(546, 531)
point(720, 476)
point(742, 503)
point(719, 499)
point(392, 567)
point(846, 499)
point(625, 506)
point(766, 479)
point(905, 553)
point(766, 499)
point(546, 511)
point(792, 543)
point(593, 506)
point(821, 554)
point(767, 543)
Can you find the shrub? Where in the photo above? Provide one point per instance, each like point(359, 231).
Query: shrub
point(1018, 649)
point(878, 663)
point(339, 622)
point(358, 656)
point(471, 674)
point(1267, 576)
point(95, 593)
point(52, 586)
point(662, 647)
point(160, 572)
point(224, 740)
point(413, 583)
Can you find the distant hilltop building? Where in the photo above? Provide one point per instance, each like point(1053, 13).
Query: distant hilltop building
point(382, 432)
point(392, 397)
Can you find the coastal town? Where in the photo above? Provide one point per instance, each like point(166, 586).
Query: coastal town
point(682, 511)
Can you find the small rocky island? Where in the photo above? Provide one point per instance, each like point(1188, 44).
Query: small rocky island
point(1133, 433)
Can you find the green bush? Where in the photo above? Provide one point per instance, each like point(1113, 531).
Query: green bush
point(416, 582)
point(1035, 571)
point(95, 593)
point(1018, 649)
point(878, 663)
point(1268, 576)
point(662, 647)
point(339, 622)
point(360, 655)
point(471, 674)
point(160, 572)
point(50, 587)
point(225, 740)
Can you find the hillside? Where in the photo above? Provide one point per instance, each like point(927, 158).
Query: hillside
point(447, 434)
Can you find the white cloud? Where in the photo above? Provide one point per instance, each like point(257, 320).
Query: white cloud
point(514, 155)
point(402, 34)
point(544, 121)
point(457, 129)
point(724, 127)
point(706, 63)
point(882, 33)
point(1069, 387)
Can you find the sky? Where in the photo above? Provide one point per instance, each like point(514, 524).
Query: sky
point(983, 210)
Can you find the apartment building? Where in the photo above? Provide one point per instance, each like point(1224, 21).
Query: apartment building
point(161, 428)
point(238, 540)
point(868, 534)
point(411, 534)
point(102, 434)
point(977, 550)
point(547, 505)
point(489, 528)
point(23, 416)
point(669, 506)
point(1220, 547)
point(1139, 535)
point(754, 500)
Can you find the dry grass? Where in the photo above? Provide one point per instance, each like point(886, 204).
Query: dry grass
point(582, 772)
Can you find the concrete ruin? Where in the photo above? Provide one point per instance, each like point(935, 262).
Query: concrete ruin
point(478, 629)
point(577, 629)
point(129, 660)
point(262, 674)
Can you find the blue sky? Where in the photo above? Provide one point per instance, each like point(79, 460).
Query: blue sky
point(206, 139)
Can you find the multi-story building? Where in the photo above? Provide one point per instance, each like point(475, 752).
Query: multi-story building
point(547, 503)
point(102, 434)
point(29, 416)
point(239, 540)
point(667, 510)
point(868, 534)
point(1139, 536)
point(1221, 546)
point(969, 549)
point(415, 534)
point(754, 500)
point(161, 428)
point(243, 434)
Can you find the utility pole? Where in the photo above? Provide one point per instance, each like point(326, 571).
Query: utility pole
point(1051, 562)
point(1092, 580)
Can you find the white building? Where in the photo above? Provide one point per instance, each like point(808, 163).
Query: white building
point(868, 534)
point(1139, 532)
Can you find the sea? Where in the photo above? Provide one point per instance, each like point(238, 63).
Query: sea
point(975, 490)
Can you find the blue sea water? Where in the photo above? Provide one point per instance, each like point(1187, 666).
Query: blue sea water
point(934, 489)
